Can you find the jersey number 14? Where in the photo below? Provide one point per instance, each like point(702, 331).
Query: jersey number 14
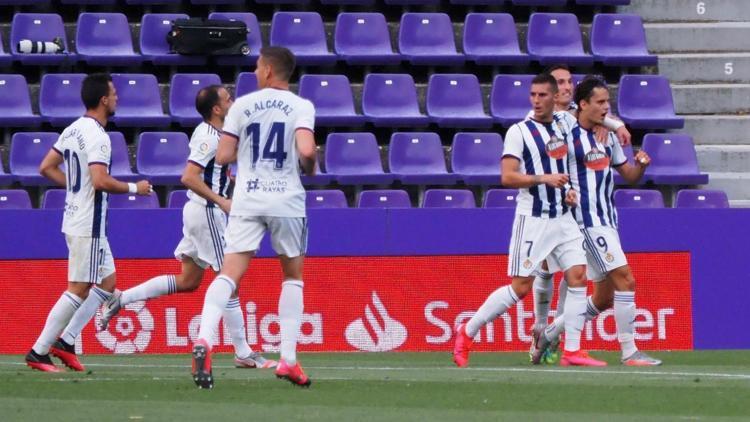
point(273, 149)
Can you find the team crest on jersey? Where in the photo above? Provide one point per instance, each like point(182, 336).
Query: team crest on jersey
point(609, 257)
point(527, 264)
point(557, 148)
point(596, 160)
point(204, 147)
point(105, 148)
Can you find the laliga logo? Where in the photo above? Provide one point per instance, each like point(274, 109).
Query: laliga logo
point(124, 340)
point(388, 335)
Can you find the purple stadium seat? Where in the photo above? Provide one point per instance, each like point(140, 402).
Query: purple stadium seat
point(455, 100)
point(387, 198)
point(304, 34)
point(390, 99)
point(326, 199)
point(475, 157)
point(104, 39)
point(509, 99)
point(539, 2)
point(14, 199)
point(333, 100)
point(27, 150)
point(638, 198)
point(500, 198)
point(354, 159)
point(217, 2)
point(556, 38)
point(416, 158)
point(319, 179)
point(39, 27)
point(620, 40)
point(154, 46)
point(491, 39)
point(15, 110)
point(697, 198)
point(87, 2)
point(246, 83)
point(148, 2)
point(60, 98)
point(603, 2)
point(413, 2)
point(177, 198)
point(54, 199)
point(254, 40)
point(161, 156)
point(120, 168)
point(645, 102)
point(5, 178)
point(23, 2)
point(363, 39)
point(182, 91)
point(282, 1)
point(131, 200)
point(427, 39)
point(139, 101)
point(348, 2)
point(6, 59)
point(673, 160)
point(479, 2)
point(448, 198)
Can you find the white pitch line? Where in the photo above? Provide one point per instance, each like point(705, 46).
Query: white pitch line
point(444, 368)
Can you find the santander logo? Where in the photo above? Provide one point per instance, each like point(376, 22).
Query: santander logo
point(377, 332)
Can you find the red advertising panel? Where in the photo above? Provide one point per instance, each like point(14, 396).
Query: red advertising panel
point(351, 304)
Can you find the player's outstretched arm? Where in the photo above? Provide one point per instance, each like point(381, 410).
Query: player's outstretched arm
point(633, 173)
point(192, 178)
point(101, 180)
point(307, 151)
point(226, 153)
point(513, 178)
point(50, 167)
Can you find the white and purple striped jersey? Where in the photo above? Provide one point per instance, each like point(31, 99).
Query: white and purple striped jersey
point(265, 123)
point(592, 176)
point(203, 145)
point(529, 142)
point(82, 144)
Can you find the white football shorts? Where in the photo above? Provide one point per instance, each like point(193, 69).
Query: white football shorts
point(202, 235)
point(288, 234)
point(89, 259)
point(535, 238)
point(603, 251)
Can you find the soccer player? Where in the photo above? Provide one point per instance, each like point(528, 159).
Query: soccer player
point(85, 148)
point(203, 222)
point(534, 161)
point(592, 176)
point(269, 133)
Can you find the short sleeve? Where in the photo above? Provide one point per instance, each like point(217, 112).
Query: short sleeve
point(618, 154)
point(202, 150)
point(58, 145)
point(306, 117)
point(513, 145)
point(232, 121)
point(100, 150)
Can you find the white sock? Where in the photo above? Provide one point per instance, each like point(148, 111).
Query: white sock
point(575, 318)
point(543, 290)
point(496, 304)
point(84, 314)
point(155, 287)
point(235, 323)
point(625, 318)
point(553, 330)
point(58, 318)
point(562, 293)
point(591, 310)
point(217, 297)
point(291, 306)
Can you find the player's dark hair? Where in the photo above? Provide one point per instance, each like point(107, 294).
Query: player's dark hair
point(553, 67)
point(281, 59)
point(585, 89)
point(545, 78)
point(206, 99)
point(94, 87)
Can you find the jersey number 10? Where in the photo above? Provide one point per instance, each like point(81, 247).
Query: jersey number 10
point(275, 139)
point(73, 171)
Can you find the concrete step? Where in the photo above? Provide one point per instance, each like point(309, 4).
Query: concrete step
point(712, 37)
point(711, 98)
point(720, 129)
point(739, 203)
point(705, 67)
point(723, 158)
point(736, 185)
point(689, 10)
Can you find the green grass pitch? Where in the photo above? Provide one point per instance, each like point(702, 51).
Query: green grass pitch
point(707, 385)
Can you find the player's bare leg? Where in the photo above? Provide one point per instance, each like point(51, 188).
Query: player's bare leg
point(291, 306)
point(575, 318)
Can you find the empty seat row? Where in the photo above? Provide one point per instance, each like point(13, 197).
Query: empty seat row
point(414, 158)
point(339, 2)
point(390, 100)
point(359, 38)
